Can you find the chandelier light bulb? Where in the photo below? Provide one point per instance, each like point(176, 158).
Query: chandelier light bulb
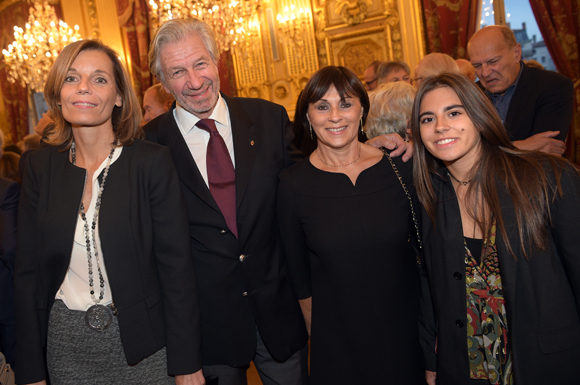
point(230, 20)
point(31, 55)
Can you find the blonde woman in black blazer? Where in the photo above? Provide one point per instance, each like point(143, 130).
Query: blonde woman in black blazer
point(140, 255)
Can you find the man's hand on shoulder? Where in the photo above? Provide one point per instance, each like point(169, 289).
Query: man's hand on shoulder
point(190, 379)
point(393, 142)
point(544, 141)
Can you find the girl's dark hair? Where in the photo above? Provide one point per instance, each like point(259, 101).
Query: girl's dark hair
point(346, 83)
point(501, 166)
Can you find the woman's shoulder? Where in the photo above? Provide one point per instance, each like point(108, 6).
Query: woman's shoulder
point(144, 146)
point(298, 170)
point(404, 169)
point(556, 167)
point(145, 151)
point(43, 155)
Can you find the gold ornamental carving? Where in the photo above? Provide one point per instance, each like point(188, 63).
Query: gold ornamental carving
point(357, 32)
point(359, 54)
point(352, 12)
point(93, 19)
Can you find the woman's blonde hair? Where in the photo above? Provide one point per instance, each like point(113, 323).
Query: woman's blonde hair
point(390, 111)
point(435, 64)
point(126, 118)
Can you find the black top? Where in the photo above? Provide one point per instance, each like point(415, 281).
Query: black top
point(347, 247)
point(474, 246)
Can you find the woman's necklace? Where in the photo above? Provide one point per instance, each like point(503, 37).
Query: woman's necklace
point(98, 317)
point(464, 183)
point(340, 165)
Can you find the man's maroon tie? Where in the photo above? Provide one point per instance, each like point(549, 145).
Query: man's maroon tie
point(220, 174)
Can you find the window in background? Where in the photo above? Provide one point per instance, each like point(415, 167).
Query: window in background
point(518, 15)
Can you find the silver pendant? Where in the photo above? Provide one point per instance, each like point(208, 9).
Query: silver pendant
point(98, 317)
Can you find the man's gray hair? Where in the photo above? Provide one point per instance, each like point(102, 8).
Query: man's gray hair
point(176, 30)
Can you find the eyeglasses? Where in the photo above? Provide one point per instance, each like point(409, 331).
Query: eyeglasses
point(371, 82)
point(418, 80)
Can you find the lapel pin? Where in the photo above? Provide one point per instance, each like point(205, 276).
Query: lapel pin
point(252, 143)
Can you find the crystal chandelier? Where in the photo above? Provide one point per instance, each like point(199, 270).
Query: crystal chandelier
point(35, 47)
point(234, 22)
point(294, 26)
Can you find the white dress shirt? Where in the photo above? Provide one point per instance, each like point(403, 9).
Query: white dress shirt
point(75, 291)
point(197, 138)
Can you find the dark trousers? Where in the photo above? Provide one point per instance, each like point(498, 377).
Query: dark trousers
point(7, 339)
point(293, 371)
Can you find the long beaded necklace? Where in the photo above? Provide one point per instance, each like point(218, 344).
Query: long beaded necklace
point(97, 317)
point(340, 165)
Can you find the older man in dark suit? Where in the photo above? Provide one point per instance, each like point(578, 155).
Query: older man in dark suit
point(9, 193)
point(536, 106)
point(228, 152)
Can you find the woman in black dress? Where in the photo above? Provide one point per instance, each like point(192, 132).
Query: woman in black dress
point(346, 225)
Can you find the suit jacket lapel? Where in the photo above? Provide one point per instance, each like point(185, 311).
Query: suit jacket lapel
point(245, 143)
point(68, 200)
point(518, 99)
point(169, 135)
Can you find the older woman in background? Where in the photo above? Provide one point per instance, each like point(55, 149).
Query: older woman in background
point(501, 235)
point(390, 109)
point(348, 252)
point(433, 64)
point(104, 274)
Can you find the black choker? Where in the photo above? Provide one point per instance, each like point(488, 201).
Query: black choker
point(464, 183)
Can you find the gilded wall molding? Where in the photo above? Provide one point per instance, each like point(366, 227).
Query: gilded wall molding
point(353, 12)
point(354, 33)
point(94, 31)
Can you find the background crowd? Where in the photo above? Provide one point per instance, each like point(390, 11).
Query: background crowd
point(211, 232)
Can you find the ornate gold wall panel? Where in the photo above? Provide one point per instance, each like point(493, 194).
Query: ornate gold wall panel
point(351, 33)
point(355, 33)
point(250, 70)
point(274, 67)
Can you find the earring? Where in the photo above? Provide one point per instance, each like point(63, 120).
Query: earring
point(362, 131)
point(310, 130)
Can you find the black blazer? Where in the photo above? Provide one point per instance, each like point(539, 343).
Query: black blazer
point(242, 282)
point(542, 101)
point(542, 294)
point(9, 192)
point(144, 238)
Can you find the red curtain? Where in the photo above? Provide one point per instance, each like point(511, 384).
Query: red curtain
point(15, 96)
point(559, 22)
point(134, 20)
point(449, 24)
